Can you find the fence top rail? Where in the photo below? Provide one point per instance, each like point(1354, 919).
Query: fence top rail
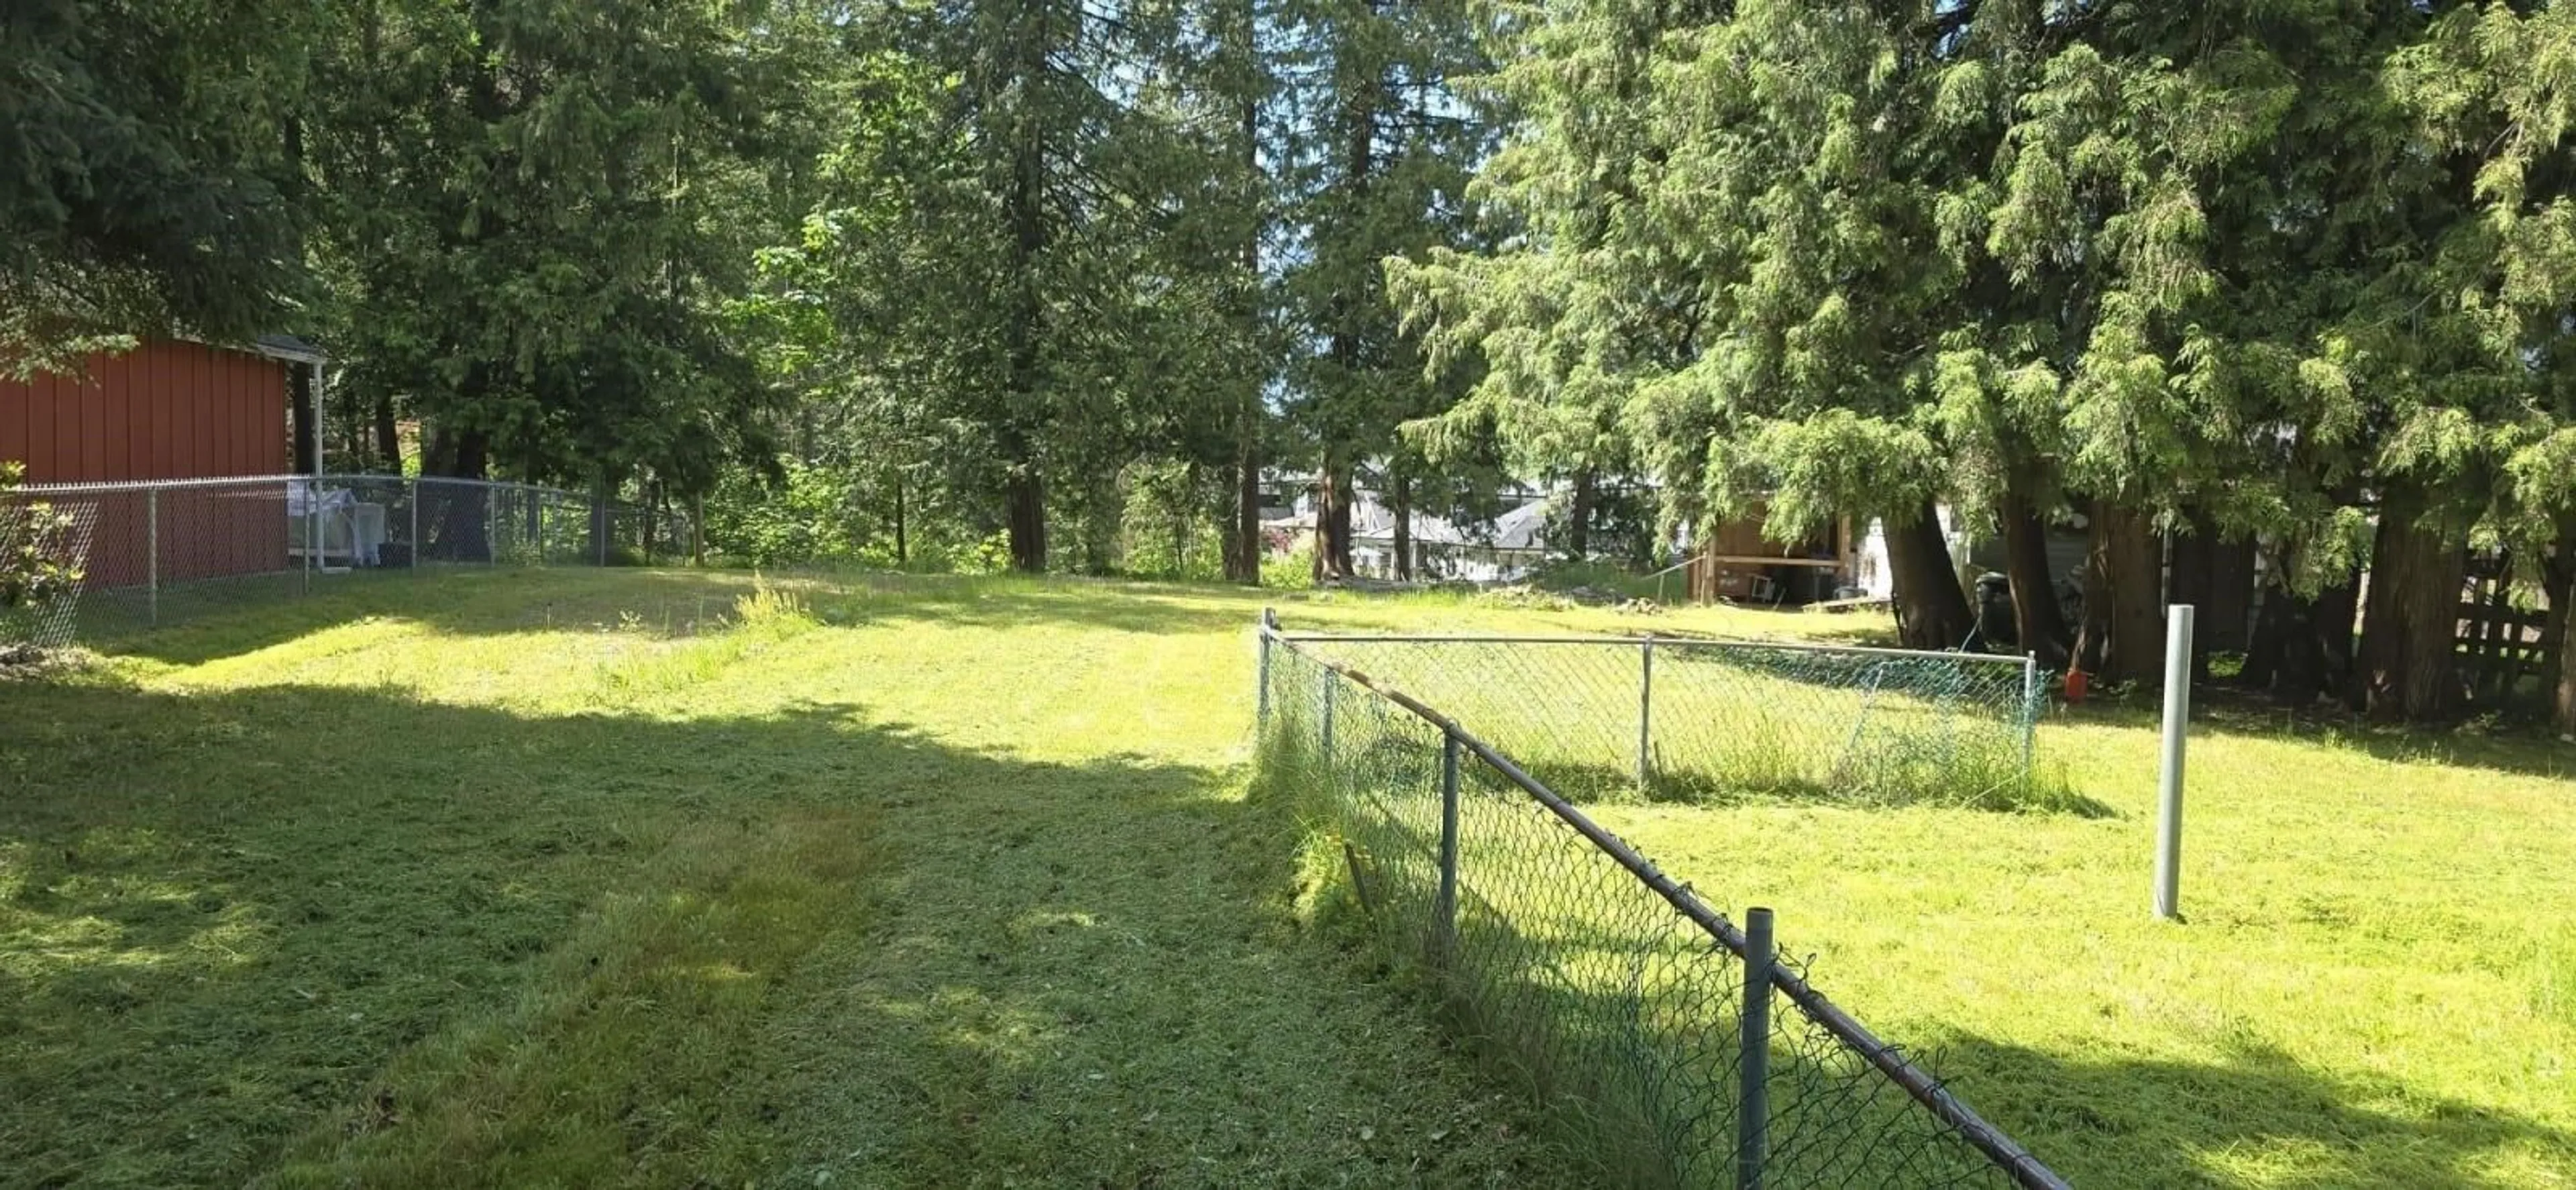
point(1661, 642)
point(223, 481)
point(2026, 1170)
point(139, 485)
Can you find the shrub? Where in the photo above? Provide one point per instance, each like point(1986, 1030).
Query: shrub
point(34, 557)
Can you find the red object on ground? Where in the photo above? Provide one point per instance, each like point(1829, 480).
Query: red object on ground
point(2075, 685)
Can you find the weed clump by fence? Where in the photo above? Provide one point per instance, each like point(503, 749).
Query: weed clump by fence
point(1641, 1019)
point(1679, 719)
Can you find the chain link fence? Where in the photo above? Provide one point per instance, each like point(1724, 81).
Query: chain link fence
point(1681, 719)
point(154, 553)
point(1640, 1017)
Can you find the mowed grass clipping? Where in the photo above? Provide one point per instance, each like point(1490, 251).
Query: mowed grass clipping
point(311, 893)
point(578, 879)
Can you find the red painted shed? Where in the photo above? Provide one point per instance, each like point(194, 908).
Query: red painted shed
point(168, 410)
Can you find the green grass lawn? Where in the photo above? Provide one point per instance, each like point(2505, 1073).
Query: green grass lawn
point(574, 878)
point(2375, 982)
point(495, 881)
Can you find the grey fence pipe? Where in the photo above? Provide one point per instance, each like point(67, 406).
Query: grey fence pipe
point(1330, 679)
point(415, 523)
point(1645, 711)
point(312, 531)
point(152, 555)
point(1261, 675)
point(2169, 800)
point(1444, 909)
point(1753, 1062)
point(2029, 713)
point(1675, 642)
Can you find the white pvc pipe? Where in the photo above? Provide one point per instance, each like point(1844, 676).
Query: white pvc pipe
point(2177, 718)
point(317, 418)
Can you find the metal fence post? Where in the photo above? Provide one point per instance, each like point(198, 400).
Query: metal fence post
point(1645, 711)
point(491, 526)
point(2169, 801)
point(1261, 680)
point(1328, 676)
point(599, 515)
point(1753, 1066)
point(312, 531)
point(414, 484)
point(152, 554)
point(1444, 907)
point(2029, 712)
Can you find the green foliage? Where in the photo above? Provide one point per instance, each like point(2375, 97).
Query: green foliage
point(1290, 569)
point(148, 187)
point(35, 560)
point(803, 519)
point(816, 515)
point(1377, 173)
point(1162, 532)
point(533, 215)
point(2243, 265)
point(2251, 267)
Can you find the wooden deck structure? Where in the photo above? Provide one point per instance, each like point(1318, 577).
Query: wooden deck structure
point(1738, 564)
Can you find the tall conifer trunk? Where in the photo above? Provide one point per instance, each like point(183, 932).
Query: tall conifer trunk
point(2411, 626)
point(1931, 611)
point(2038, 622)
point(1243, 558)
point(1400, 497)
point(2121, 637)
point(2561, 629)
point(1332, 521)
point(1578, 520)
point(1024, 489)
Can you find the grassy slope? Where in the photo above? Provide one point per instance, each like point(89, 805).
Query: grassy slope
point(957, 890)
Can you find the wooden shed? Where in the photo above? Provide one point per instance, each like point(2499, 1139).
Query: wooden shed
point(1739, 564)
point(170, 410)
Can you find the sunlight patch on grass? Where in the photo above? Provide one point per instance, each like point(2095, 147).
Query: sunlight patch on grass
point(90, 907)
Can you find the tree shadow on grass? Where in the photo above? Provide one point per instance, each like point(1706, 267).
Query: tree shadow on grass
point(313, 936)
point(469, 601)
point(2149, 1122)
point(220, 915)
point(2526, 752)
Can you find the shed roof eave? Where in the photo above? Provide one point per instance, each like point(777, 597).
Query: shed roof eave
point(288, 348)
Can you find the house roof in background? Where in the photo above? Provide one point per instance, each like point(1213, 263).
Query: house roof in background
point(1521, 528)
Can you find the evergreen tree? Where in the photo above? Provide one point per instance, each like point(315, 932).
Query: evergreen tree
point(1381, 158)
point(537, 211)
point(147, 173)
